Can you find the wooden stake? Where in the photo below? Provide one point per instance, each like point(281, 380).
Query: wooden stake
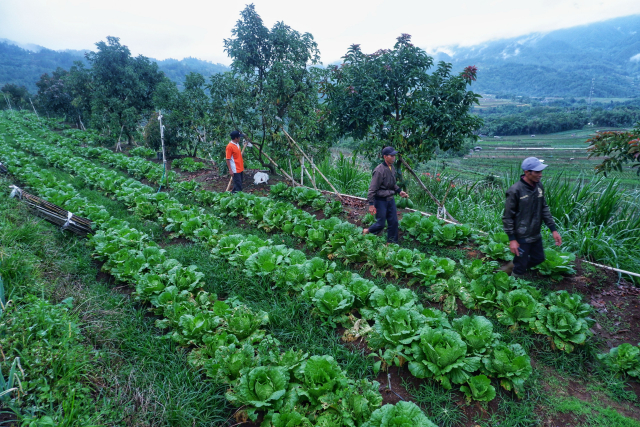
point(302, 171)
point(286, 175)
point(291, 172)
point(312, 164)
point(310, 178)
point(119, 147)
point(34, 108)
point(424, 187)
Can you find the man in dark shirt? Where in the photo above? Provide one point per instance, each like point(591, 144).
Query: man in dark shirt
point(525, 209)
point(380, 197)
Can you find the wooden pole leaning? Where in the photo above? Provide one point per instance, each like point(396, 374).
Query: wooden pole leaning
point(424, 187)
point(312, 164)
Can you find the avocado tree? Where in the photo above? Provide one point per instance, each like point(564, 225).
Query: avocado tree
point(617, 148)
point(186, 111)
point(390, 97)
point(272, 84)
point(123, 87)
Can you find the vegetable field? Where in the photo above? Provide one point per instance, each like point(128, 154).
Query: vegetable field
point(194, 307)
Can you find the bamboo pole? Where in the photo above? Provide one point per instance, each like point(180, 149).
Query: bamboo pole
point(312, 164)
point(302, 171)
point(286, 175)
point(291, 172)
point(424, 187)
point(34, 108)
point(310, 179)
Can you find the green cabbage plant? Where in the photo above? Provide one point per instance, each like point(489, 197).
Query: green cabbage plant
point(477, 332)
point(623, 359)
point(441, 354)
point(565, 329)
point(262, 387)
point(402, 414)
point(511, 364)
point(517, 307)
point(479, 388)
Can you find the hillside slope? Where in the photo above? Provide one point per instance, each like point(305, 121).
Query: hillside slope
point(558, 63)
point(23, 65)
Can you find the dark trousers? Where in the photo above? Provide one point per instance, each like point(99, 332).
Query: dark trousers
point(532, 255)
point(237, 182)
point(386, 211)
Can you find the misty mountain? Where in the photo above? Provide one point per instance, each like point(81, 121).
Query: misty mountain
point(558, 63)
point(23, 64)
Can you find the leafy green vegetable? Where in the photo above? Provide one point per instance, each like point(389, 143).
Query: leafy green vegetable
point(556, 264)
point(623, 359)
point(402, 414)
point(518, 306)
point(321, 378)
point(399, 326)
point(441, 354)
point(479, 388)
point(260, 387)
point(477, 332)
point(511, 364)
point(562, 326)
point(333, 300)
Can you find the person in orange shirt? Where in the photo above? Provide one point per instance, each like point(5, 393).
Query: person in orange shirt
point(234, 161)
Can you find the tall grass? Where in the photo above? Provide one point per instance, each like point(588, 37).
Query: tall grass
point(345, 174)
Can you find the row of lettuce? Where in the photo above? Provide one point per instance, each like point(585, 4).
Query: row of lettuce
point(230, 342)
point(403, 329)
point(521, 308)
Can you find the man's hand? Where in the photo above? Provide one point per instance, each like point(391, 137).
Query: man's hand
point(557, 238)
point(513, 247)
point(372, 210)
point(403, 194)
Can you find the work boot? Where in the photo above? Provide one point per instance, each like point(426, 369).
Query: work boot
point(507, 268)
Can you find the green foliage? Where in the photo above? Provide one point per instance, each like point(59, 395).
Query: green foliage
point(122, 86)
point(556, 263)
point(143, 152)
point(271, 85)
point(441, 354)
point(518, 307)
point(617, 148)
point(565, 329)
point(390, 98)
point(624, 359)
point(400, 415)
point(187, 164)
point(433, 230)
point(511, 364)
point(479, 388)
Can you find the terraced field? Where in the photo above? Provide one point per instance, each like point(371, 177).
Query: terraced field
point(274, 315)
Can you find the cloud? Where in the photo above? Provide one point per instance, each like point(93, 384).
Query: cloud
point(635, 58)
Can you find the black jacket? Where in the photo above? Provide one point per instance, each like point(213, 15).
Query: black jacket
point(524, 211)
point(383, 183)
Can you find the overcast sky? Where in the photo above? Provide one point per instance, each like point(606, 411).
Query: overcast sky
point(180, 28)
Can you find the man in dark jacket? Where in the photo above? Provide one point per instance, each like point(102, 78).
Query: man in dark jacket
point(380, 197)
point(524, 211)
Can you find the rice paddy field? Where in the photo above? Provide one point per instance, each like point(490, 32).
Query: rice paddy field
point(564, 152)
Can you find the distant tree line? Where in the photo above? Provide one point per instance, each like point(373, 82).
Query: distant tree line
point(512, 120)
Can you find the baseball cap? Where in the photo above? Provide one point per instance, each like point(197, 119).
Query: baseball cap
point(389, 151)
point(236, 134)
point(533, 164)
